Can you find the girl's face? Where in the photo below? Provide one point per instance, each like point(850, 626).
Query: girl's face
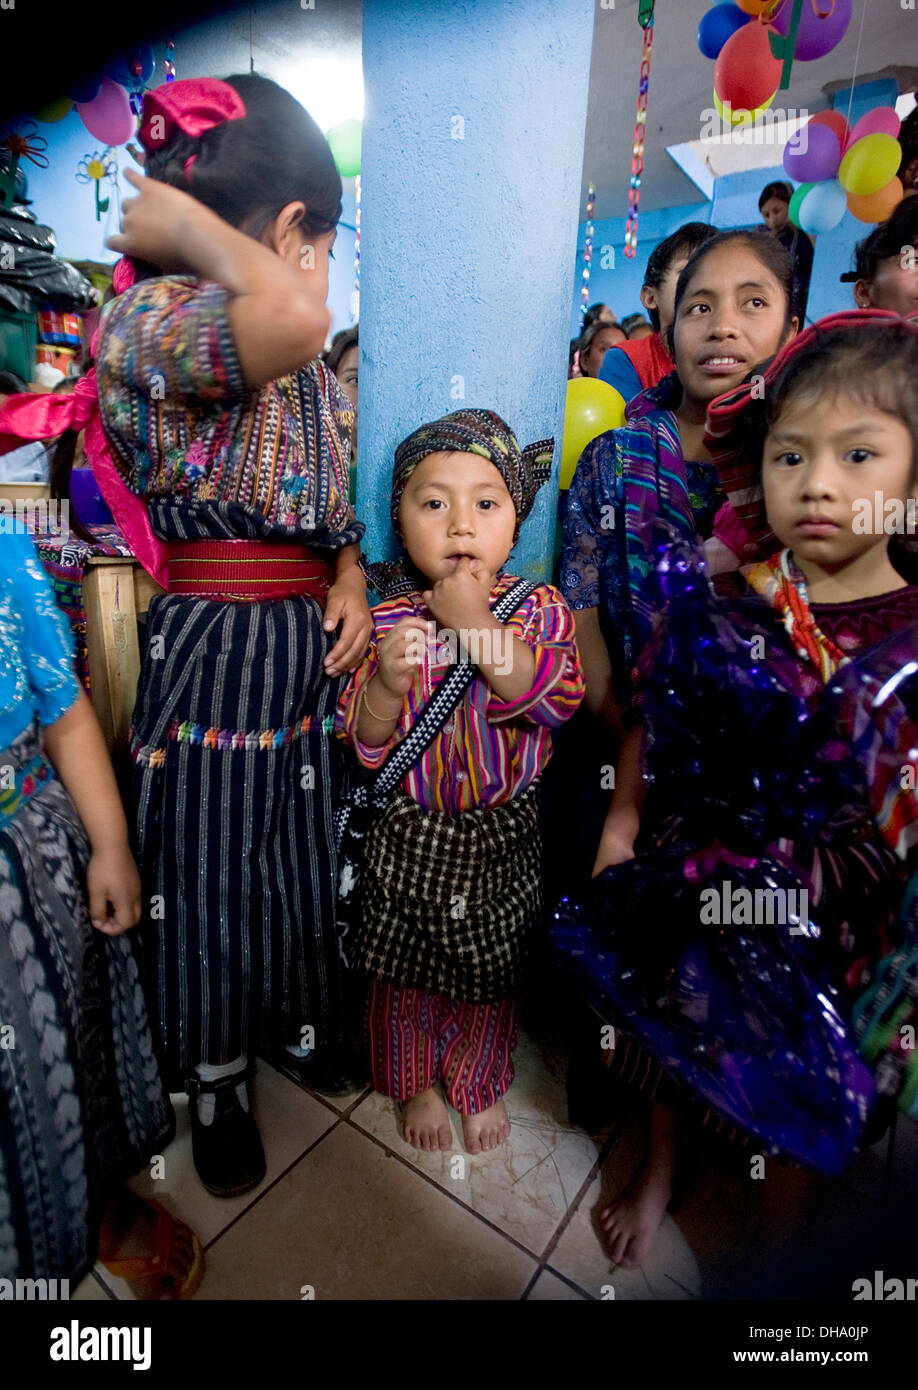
point(591, 360)
point(730, 319)
point(308, 255)
point(822, 466)
point(894, 284)
point(776, 214)
point(347, 373)
point(456, 504)
point(662, 297)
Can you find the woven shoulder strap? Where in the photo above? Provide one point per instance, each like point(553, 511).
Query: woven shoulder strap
point(438, 708)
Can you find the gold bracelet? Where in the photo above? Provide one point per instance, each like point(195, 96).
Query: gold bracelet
point(380, 718)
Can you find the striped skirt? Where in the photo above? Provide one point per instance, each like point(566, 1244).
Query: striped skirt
point(235, 773)
point(82, 1106)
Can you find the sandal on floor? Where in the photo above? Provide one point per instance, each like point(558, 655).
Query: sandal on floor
point(157, 1264)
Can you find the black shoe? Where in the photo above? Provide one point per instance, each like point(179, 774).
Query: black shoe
point(334, 1069)
point(227, 1154)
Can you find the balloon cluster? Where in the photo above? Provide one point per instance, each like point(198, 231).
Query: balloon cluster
point(839, 168)
point(109, 101)
point(753, 42)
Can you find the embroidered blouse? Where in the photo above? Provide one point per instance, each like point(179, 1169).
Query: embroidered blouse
point(214, 458)
point(37, 679)
point(491, 749)
point(624, 477)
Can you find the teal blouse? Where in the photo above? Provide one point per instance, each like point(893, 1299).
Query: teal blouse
point(37, 678)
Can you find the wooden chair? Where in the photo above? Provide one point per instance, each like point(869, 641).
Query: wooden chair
point(115, 591)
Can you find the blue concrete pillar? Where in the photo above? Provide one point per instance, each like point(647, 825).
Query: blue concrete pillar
point(471, 168)
point(834, 251)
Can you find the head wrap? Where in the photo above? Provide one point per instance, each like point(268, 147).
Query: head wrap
point(192, 105)
point(735, 417)
point(476, 432)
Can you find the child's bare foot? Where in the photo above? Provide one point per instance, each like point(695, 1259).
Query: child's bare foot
point(425, 1120)
point(487, 1130)
point(629, 1225)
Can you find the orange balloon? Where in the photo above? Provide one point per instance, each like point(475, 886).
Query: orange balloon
point(877, 207)
point(755, 7)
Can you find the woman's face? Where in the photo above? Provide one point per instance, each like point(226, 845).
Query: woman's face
point(347, 373)
point(730, 319)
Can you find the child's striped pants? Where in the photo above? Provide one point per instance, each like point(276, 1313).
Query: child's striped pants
point(417, 1038)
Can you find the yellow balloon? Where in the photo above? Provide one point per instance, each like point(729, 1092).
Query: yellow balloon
point(870, 164)
point(592, 408)
point(740, 116)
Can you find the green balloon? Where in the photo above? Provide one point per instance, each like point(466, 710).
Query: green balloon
point(344, 143)
point(55, 111)
point(800, 193)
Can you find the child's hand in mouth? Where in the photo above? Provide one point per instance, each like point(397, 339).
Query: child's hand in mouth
point(460, 599)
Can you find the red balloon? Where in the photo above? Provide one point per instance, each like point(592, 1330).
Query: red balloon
point(747, 72)
point(836, 123)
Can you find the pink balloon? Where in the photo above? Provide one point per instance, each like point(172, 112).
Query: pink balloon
point(108, 117)
point(882, 120)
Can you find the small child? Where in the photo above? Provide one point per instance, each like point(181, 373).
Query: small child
point(451, 885)
point(835, 441)
point(81, 1100)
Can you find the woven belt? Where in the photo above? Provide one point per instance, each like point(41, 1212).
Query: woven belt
point(247, 571)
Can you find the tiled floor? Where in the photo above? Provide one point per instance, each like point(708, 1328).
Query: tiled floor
point(348, 1210)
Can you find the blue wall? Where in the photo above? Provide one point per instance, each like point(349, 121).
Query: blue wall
point(469, 241)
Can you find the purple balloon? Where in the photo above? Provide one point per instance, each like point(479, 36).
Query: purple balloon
point(812, 154)
point(819, 32)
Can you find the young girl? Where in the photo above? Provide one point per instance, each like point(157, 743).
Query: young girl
point(642, 362)
point(776, 724)
point(451, 884)
point(732, 311)
point(82, 1102)
point(220, 422)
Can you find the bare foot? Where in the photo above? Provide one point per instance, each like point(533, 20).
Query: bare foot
point(425, 1120)
point(487, 1130)
point(629, 1225)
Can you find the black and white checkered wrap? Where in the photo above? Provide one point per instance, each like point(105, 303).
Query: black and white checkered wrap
point(447, 903)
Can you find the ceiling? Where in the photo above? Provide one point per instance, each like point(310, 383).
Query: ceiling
point(681, 86)
point(316, 53)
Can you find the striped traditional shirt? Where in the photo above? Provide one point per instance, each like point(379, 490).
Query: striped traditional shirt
point(491, 749)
